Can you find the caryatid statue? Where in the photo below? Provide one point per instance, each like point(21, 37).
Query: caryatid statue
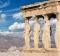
point(37, 32)
point(46, 34)
point(27, 33)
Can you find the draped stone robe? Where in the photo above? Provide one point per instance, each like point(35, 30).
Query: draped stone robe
point(46, 35)
point(27, 35)
point(36, 34)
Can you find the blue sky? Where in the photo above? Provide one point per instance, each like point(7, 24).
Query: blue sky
point(11, 20)
point(9, 14)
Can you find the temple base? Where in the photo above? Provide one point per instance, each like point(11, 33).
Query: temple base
point(41, 52)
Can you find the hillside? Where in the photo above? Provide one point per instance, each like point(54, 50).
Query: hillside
point(6, 42)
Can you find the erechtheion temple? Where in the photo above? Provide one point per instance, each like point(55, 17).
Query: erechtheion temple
point(46, 10)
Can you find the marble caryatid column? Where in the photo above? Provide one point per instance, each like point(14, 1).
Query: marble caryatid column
point(57, 33)
point(37, 31)
point(27, 33)
point(46, 33)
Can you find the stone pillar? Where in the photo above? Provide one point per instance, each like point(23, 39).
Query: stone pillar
point(27, 33)
point(46, 33)
point(36, 32)
point(57, 34)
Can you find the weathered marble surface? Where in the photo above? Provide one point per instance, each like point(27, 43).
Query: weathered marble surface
point(37, 32)
point(27, 34)
point(46, 34)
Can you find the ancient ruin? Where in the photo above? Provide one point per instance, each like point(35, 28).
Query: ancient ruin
point(46, 10)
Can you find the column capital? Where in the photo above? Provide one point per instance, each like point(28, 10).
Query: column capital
point(46, 17)
point(36, 18)
point(26, 21)
point(58, 16)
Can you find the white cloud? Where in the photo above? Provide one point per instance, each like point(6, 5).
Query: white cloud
point(17, 26)
point(41, 20)
point(5, 4)
point(12, 34)
point(3, 18)
point(18, 15)
point(31, 22)
point(53, 21)
point(3, 15)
